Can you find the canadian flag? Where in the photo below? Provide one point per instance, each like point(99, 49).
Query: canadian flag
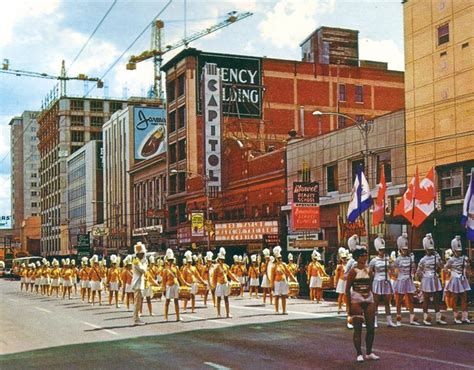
point(379, 206)
point(418, 202)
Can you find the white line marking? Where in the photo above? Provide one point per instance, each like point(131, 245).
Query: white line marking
point(418, 357)
point(13, 300)
point(216, 321)
point(216, 366)
point(101, 328)
point(320, 315)
point(43, 309)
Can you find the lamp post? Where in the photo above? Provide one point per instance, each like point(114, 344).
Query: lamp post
point(206, 193)
point(364, 126)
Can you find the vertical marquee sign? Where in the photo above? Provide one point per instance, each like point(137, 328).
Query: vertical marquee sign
point(305, 207)
point(212, 125)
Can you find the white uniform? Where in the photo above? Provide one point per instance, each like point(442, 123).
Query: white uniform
point(172, 292)
point(427, 268)
point(381, 284)
point(280, 288)
point(404, 283)
point(458, 283)
point(222, 290)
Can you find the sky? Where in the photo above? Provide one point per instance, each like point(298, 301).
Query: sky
point(36, 35)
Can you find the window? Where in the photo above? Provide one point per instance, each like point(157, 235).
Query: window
point(34, 175)
point(77, 136)
point(34, 184)
point(181, 182)
point(181, 117)
point(341, 121)
point(182, 216)
point(34, 204)
point(384, 159)
point(33, 129)
point(359, 118)
point(181, 84)
point(265, 210)
point(172, 154)
point(355, 165)
point(172, 213)
point(97, 106)
point(181, 150)
point(359, 94)
point(342, 92)
point(34, 193)
point(172, 122)
point(331, 177)
point(170, 91)
point(77, 104)
point(443, 34)
point(96, 135)
point(77, 120)
point(115, 106)
point(172, 188)
point(451, 183)
point(97, 121)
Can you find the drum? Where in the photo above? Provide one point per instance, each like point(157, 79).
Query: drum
point(202, 289)
point(234, 288)
point(294, 288)
point(157, 292)
point(184, 292)
point(328, 282)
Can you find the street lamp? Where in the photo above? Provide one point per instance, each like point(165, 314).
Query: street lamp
point(364, 126)
point(206, 193)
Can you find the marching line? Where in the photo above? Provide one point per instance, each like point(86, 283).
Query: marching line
point(216, 366)
point(101, 328)
point(418, 357)
point(43, 309)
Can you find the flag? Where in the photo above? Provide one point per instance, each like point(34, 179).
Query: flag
point(418, 202)
point(467, 219)
point(360, 197)
point(379, 206)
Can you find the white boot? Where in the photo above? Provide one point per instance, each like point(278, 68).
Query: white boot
point(465, 317)
point(376, 323)
point(390, 322)
point(438, 319)
point(456, 320)
point(413, 321)
point(425, 319)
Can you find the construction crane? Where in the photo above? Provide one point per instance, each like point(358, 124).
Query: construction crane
point(62, 78)
point(157, 51)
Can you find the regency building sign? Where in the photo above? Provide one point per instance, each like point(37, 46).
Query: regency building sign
point(240, 231)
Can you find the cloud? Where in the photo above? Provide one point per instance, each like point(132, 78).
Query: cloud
point(382, 51)
point(290, 21)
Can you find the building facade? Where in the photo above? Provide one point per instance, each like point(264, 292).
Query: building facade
point(439, 95)
point(65, 126)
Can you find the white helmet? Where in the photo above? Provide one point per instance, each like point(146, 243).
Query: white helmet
point(448, 253)
point(169, 254)
point(139, 248)
point(253, 257)
point(151, 259)
point(290, 257)
point(266, 252)
point(113, 258)
point(342, 252)
point(428, 242)
point(188, 256)
point(379, 243)
point(314, 254)
point(402, 241)
point(277, 251)
point(353, 242)
point(209, 256)
point(456, 243)
point(221, 254)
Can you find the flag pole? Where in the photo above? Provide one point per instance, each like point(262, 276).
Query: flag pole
point(413, 216)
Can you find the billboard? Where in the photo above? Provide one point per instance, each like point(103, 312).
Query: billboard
point(197, 224)
point(253, 230)
point(149, 127)
point(305, 207)
point(5, 222)
point(241, 84)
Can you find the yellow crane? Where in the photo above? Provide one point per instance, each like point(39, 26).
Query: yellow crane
point(157, 51)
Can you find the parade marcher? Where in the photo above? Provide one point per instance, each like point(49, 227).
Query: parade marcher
point(75, 274)
point(139, 269)
point(85, 283)
point(46, 278)
point(360, 302)
point(170, 284)
point(55, 272)
point(239, 270)
point(253, 276)
point(458, 285)
point(445, 276)
point(292, 266)
point(126, 279)
point(315, 276)
point(113, 280)
point(352, 244)
point(150, 282)
point(220, 282)
point(103, 274)
point(206, 275)
point(382, 289)
point(192, 277)
point(428, 270)
point(32, 276)
point(403, 286)
point(38, 276)
point(23, 277)
point(95, 277)
point(67, 279)
point(280, 275)
point(264, 272)
point(340, 278)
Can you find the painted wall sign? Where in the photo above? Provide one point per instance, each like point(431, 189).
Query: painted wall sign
point(212, 125)
point(241, 83)
point(306, 192)
point(244, 230)
point(149, 131)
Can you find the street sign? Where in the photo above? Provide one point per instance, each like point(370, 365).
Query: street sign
point(83, 240)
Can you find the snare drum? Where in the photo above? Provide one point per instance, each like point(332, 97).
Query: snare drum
point(157, 292)
point(234, 288)
point(202, 289)
point(294, 288)
point(184, 292)
point(327, 282)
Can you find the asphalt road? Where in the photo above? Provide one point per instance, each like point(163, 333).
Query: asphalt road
point(43, 332)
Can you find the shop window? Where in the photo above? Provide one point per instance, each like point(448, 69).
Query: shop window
point(96, 106)
point(342, 92)
point(172, 122)
point(172, 154)
point(451, 183)
point(443, 34)
point(384, 159)
point(355, 165)
point(181, 84)
point(359, 94)
point(181, 117)
point(181, 182)
point(181, 150)
point(331, 178)
point(170, 91)
point(77, 104)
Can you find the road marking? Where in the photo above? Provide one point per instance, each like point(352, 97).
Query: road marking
point(101, 328)
point(320, 315)
point(217, 321)
point(418, 357)
point(43, 309)
point(216, 366)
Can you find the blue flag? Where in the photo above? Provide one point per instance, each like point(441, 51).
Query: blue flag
point(467, 219)
point(361, 200)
